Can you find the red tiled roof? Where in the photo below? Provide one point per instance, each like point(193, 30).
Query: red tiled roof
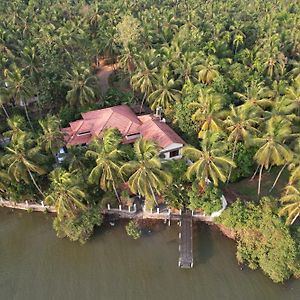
point(160, 132)
point(124, 119)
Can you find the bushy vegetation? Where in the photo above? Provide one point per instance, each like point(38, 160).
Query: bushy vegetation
point(133, 230)
point(263, 240)
point(209, 200)
point(79, 227)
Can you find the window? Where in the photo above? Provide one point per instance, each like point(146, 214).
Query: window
point(174, 153)
point(83, 133)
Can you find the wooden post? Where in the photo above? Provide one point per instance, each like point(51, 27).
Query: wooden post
point(169, 222)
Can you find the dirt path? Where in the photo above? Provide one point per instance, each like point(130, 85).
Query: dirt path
point(103, 74)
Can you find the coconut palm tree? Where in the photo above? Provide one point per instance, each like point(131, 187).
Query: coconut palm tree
point(20, 89)
point(23, 159)
point(241, 125)
point(108, 156)
point(52, 138)
point(17, 125)
point(207, 114)
point(65, 193)
point(144, 77)
point(208, 71)
point(83, 86)
point(146, 175)
point(292, 97)
point(255, 97)
point(291, 203)
point(272, 149)
point(207, 163)
point(166, 91)
point(4, 99)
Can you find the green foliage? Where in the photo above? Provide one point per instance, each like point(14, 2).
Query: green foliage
point(244, 161)
point(80, 227)
point(209, 200)
point(263, 240)
point(175, 195)
point(133, 230)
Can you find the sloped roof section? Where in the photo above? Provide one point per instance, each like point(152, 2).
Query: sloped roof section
point(93, 124)
point(160, 132)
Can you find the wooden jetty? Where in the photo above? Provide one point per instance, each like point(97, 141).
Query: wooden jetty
point(186, 240)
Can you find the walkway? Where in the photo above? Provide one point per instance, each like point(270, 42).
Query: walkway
point(186, 241)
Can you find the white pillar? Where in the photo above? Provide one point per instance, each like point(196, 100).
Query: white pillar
point(108, 206)
point(151, 210)
point(169, 223)
point(169, 211)
point(192, 212)
point(120, 207)
point(180, 211)
point(134, 206)
point(157, 210)
point(42, 203)
point(129, 208)
point(26, 203)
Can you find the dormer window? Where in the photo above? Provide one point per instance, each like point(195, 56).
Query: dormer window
point(83, 133)
point(133, 136)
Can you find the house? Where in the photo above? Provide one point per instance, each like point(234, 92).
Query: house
point(131, 126)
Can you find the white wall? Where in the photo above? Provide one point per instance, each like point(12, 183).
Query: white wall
point(175, 146)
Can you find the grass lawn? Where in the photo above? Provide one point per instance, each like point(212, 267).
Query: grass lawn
point(246, 189)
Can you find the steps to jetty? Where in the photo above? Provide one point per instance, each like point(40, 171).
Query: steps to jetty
point(186, 241)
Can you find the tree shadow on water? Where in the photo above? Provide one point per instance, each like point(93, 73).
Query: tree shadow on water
point(202, 243)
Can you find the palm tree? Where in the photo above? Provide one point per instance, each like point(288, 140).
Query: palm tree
point(83, 86)
point(4, 99)
point(292, 97)
point(20, 89)
point(166, 91)
point(52, 138)
point(208, 71)
point(145, 174)
point(107, 156)
point(255, 98)
point(291, 203)
point(17, 126)
point(23, 159)
point(208, 163)
point(241, 125)
point(207, 114)
point(272, 150)
point(65, 193)
point(144, 77)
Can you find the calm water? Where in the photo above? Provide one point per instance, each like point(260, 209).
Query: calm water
point(34, 264)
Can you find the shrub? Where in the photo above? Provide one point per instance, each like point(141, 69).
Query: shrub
point(209, 200)
point(133, 230)
point(175, 196)
point(78, 228)
point(244, 161)
point(263, 240)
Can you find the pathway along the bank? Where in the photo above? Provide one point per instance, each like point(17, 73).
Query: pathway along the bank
point(186, 240)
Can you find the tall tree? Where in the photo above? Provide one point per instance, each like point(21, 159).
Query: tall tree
point(146, 175)
point(65, 193)
point(108, 156)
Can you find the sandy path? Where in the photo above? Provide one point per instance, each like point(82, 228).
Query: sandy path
point(103, 74)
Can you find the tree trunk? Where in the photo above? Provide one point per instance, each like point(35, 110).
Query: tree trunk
point(27, 115)
point(253, 176)
point(259, 180)
point(294, 219)
point(277, 178)
point(5, 111)
point(153, 195)
point(34, 182)
point(142, 104)
point(116, 192)
point(233, 155)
